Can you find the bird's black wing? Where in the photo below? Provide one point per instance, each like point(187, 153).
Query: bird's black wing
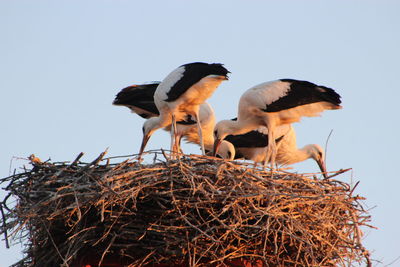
point(140, 96)
point(193, 73)
point(303, 93)
point(251, 139)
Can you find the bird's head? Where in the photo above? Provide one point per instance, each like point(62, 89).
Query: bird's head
point(226, 150)
point(148, 129)
point(221, 130)
point(317, 153)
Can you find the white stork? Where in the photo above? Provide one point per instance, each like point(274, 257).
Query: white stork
point(180, 94)
point(276, 103)
point(253, 146)
point(139, 98)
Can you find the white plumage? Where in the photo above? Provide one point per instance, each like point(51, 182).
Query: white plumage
point(276, 103)
point(180, 94)
point(139, 99)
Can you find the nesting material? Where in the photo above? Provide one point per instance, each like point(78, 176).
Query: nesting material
point(195, 211)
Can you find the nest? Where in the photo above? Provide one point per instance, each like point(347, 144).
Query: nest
point(195, 211)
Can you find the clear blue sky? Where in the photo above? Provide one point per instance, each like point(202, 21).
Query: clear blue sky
point(62, 62)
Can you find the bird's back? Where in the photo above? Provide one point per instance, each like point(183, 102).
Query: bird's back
point(248, 140)
point(283, 94)
point(188, 86)
point(189, 74)
point(286, 101)
point(299, 93)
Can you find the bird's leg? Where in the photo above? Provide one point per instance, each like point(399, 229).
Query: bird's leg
point(271, 155)
point(200, 132)
point(173, 134)
point(268, 152)
point(277, 145)
point(177, 144)
point(264, 162)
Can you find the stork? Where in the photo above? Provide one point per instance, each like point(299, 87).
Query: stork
point(253, 146)
point(180, 94)
point(139, 99)
point(276, 103)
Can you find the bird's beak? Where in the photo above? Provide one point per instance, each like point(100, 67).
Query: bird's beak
point(146, 138)
point(322, 166)
point(217, 143)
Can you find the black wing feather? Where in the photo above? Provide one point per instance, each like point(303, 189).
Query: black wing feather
point(250, 139)
point(141, 96)
point(193, 73)
point(303, 93)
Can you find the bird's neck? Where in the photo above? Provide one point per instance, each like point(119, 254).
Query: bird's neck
point(163, 120)
point(295, 156)
point(241, 127)
point(155, 123)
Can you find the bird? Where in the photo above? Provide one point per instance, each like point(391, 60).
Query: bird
point(139, 99)
point(253, 146)
point(276, 103)
point(180, 94)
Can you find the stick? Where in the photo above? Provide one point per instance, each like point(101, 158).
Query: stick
point(4, 225)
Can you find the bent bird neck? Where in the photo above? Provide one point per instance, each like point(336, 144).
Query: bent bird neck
point(241, 127)
point(298, 156)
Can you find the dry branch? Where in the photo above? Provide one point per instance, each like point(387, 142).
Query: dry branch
point(190, 212)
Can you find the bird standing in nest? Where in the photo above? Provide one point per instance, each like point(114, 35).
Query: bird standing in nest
point(139, 99)
point(180, 94)
point(276, 103)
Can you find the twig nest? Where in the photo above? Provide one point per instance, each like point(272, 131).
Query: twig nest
point(191, 212)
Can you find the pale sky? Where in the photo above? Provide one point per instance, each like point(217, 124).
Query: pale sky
point(62, 62)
